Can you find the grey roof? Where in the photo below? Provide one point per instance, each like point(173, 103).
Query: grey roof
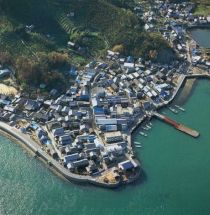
point(71, 158)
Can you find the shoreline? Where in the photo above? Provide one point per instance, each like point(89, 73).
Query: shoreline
point(29, 152)
point(15, 135)
point(32, 147)
point(189, 88)
point(185, 91)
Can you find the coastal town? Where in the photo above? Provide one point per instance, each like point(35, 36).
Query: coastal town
point(86, 132)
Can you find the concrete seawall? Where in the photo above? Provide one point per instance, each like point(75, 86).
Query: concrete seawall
point(35, 148)
point(183, 78)
point(58, 167)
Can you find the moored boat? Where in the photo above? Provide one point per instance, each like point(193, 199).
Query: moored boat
point(180, 108)
point(173, 110)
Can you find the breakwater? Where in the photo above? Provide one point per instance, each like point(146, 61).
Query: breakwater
point(59, 168)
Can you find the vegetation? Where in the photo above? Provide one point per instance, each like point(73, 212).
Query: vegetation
point(46, 70)
point(202, 9)
point(93, 25)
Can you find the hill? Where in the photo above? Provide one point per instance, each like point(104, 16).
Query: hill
point(33, 28)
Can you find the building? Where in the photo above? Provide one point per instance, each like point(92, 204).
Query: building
point(70, 158)
point(4, 73)
point(57, 132)
point(112, 137)
point(65, 140)
point(31, 105)
point(127, 165)
point(104, 121)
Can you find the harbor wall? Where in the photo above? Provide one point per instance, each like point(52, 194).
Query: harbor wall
point(60, 169)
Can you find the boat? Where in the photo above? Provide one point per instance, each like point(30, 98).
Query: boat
point(173, 110)
point(145, 128)
point(138, 146)
point(149, 127)
point(150, 123)
point(143, 134)
point(180, 108)
point(137, 143)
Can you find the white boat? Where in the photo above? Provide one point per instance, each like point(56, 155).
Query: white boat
point(137, 143)
point(138, 146)
point(145, 128)
point(173, 110)
point(180, 108)
point(143, 134)
point(149, 127)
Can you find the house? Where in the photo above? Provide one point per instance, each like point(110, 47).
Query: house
point(53, 92)
point(41, 117)
point(31, 105)
point(71, 44)
point(4, 101)
point(111, 137)
point(81, 163)
point(104, 121)
point(70, 158)
point(84, 94)
point(129, 65)
point(57, 132)
point(53, 125)
point(86, 138)
point(65, 139)
point(42, 135)
point(92, 168)
point(65, 110)
point(10, 108)
point(127, 165)
point(73, 72)
point(4, 73)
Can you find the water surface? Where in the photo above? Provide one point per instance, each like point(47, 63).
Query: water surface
point(176, 180)
point(201, 36)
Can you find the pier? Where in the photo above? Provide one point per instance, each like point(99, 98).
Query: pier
point(178, 126)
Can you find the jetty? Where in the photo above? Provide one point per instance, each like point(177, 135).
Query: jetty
point(178, 126)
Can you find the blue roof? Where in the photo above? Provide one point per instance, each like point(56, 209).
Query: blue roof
point(127, 165)
point(164, 94)
point(98, 110)
point(4, 102)
point(73, 71)
point(47, 142)
point(130, 59)
point(34, 125)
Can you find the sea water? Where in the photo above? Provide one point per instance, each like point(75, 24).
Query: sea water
point(175, 178)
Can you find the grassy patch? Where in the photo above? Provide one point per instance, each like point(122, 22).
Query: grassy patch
point(202, 10)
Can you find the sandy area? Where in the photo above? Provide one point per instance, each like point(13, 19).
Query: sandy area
point(7, 90)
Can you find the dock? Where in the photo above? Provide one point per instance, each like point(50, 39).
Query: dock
point(178, 126)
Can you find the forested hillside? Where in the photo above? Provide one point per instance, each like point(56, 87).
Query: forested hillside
point(40, 29)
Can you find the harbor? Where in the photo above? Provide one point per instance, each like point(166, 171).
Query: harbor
point(172, 167)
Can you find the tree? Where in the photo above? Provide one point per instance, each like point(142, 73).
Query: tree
point(28, 71)
point(57, 60)
point(5, 58)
